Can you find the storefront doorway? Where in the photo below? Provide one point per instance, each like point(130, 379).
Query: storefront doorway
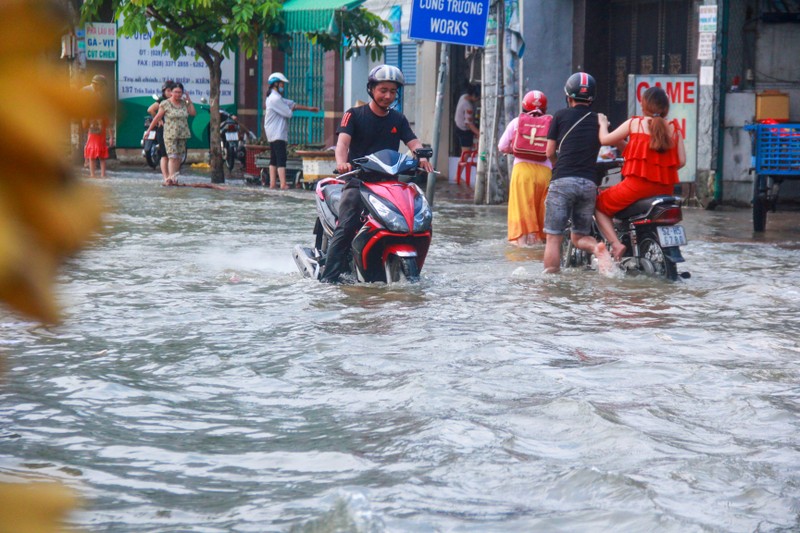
point(643, 37)
point(465, 63)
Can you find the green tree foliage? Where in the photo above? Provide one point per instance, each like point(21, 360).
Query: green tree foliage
point(218, 28)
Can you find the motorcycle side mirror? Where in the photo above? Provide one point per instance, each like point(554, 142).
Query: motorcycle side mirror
point(427, 153)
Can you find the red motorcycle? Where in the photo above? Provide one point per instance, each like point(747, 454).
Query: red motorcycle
point(393, 241)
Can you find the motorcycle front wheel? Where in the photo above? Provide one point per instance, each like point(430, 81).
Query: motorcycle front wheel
point(653, 259)
point(401, 269)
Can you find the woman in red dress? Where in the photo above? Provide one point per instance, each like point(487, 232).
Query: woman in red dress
point(96, 144)
point(653, 156)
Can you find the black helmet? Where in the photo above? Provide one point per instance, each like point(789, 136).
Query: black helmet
point(581, 86)
point(385, 73)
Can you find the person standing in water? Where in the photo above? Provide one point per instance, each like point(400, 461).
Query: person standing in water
point(176, 111)
point(573, 143)
point(278, 111)
point(166, 92)
point(529, 181)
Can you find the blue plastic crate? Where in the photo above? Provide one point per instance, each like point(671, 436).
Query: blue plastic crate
point(777, 148)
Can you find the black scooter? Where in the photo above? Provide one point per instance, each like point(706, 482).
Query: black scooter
point(150, 149)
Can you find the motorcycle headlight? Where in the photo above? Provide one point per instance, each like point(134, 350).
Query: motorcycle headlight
point(390, 218)
point(423, 216)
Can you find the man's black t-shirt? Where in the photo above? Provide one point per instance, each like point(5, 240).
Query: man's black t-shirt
point(578, 155)
point(370, 133)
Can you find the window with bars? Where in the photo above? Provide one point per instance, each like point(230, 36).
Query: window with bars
point(404, 57)
point(305, 70)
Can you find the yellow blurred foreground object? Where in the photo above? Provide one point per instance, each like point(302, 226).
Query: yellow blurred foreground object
point(46, 213)
point(34, 507)
point(201, 165)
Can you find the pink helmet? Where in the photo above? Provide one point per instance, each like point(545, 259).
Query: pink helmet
point(534, 101)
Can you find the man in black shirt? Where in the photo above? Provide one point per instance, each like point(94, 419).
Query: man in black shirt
point(363, 131)
point(572, 146)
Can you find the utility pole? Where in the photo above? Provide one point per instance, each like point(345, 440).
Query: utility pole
point(492, 96)
point(437, 118)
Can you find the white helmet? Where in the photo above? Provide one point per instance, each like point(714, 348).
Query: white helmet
point(276, 77)
point(385, 73)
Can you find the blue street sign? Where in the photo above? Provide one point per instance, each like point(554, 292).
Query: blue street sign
point(449, 21)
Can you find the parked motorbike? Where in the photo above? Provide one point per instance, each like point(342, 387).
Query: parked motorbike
point(233, 137)
point(393, 242)
point(150, 149)
point(649, 230)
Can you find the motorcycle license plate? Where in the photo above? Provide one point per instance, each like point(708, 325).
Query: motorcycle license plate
point(231, 136)
point(671, 236)
point(151, 136)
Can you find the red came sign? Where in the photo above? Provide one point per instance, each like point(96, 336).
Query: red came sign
point(682, 93)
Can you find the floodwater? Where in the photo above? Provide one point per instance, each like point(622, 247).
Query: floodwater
point(198, 383)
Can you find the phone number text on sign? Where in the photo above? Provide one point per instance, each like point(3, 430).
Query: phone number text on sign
point(142, 71)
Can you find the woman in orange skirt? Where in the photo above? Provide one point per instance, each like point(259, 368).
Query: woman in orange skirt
point(529, 182)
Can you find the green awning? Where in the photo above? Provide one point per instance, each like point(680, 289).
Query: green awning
point(314, 15)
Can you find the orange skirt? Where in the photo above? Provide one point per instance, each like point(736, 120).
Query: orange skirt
point(618, 197)
point(96, 146)
point(526, 196)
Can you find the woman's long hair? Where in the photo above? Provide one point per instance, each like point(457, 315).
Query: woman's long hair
point(168, 85)
point(655, 104)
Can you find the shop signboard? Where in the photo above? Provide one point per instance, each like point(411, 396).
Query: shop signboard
point(101, 41)
point(707, 19)
point(449, 21)
point(682, 91)
point(141, 72)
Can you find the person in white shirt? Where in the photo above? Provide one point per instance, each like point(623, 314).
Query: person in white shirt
point(278, 111)
point(466, 130)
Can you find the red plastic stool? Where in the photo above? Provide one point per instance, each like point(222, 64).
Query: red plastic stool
point(466, 162)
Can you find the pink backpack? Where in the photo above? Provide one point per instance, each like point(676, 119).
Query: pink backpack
point(530, 142)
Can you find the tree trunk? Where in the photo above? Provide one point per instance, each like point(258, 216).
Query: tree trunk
point(215, 75)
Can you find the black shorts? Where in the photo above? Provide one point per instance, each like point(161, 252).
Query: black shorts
point(277, 154)
point(465, 137)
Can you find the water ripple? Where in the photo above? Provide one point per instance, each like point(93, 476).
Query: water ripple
point(200, 384)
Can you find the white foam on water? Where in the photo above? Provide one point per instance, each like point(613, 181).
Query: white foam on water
point(350, 511)
point(250, 259)
point(520, 272)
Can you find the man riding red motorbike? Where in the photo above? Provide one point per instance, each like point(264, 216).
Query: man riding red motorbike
point(365, 130)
